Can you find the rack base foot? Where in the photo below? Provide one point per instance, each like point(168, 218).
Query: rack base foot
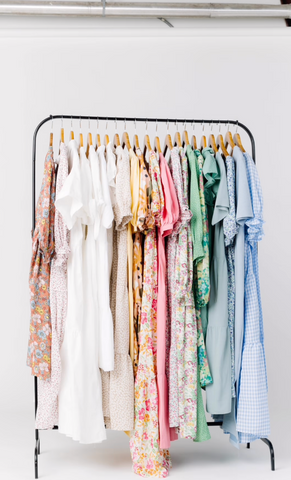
point(272, 452)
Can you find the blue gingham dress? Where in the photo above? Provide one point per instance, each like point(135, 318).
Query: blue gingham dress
point(253, 420)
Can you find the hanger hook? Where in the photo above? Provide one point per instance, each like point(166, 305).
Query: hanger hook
point(62, 122)
point(52, 124)
point(146, 124)
point(72, 123)
point(135, 123)
point(125, 124)
point(227, 126)
point(219, 125)
point(156, 125)
point(97, 124)
point(115, 124)
point(80, 124)
point(106, 123)
point(193, 126)
point(184, 124)
point(167, 124)
point(211, 126)
point(203, 126)
point(177, 125)
point(89, 123)
point(236, 126)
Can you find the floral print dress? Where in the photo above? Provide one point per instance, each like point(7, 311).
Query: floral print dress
point(39, 346)
point(48, 390)
point(148, 459)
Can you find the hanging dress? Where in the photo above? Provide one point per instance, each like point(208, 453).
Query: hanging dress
point(186, 325)
point(39, 345)
point(104, 224)
point(230, 229)
point(80, 398)
point(121, 384)
point(148, 459)
point(218, 394)
point(48, 390)
point(111, 174)
point(200, 246)
point(253, 419)
point(135, 270)
point(201, 284)
point(244, 212)
point(170, 215)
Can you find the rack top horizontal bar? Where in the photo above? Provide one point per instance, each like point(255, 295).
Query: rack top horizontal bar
point(149, 9)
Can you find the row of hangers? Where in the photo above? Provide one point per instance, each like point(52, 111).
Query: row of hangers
point(220, 142)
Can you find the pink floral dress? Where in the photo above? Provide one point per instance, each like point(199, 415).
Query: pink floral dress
point(48, 390)
point(39, 346)
point(148, 459)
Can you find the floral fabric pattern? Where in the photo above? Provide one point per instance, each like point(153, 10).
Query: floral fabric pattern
point(186, 325)
point(201, 269)
point(48, 390)
point(145, 218)
point(39, 346)
point(137, 293)
point(230, 229)
point(148, 459)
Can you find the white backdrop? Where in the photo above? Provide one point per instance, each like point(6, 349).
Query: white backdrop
point(211, 74)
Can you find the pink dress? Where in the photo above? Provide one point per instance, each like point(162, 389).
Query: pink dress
point(169, 218)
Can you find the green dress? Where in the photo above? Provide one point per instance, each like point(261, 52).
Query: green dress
point(195, 207)
point(200, 245)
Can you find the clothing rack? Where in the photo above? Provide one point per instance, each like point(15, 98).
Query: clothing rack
point(127, 119)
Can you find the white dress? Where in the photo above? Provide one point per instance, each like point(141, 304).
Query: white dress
point(80, 398)
point(104, 222)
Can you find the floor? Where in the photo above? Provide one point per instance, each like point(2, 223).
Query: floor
point(61, 458)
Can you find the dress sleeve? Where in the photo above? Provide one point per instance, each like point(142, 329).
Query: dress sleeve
point(69, 202)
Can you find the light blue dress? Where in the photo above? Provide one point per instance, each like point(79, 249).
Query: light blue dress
point(253, 420)
point(244, 212)
point(230, 228)
point(218, 394)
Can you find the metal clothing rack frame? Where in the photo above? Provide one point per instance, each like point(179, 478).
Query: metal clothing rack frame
point(127, 119)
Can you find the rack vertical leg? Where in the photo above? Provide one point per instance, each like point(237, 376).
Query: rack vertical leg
point(248, 445)
point(37, 439)
point(272, 453)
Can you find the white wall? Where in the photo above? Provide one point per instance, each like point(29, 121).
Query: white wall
point(244, 76)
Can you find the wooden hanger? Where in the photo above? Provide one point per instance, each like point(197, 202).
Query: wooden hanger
point(185, 138)
point(157, 145)
point(220, 144)
point(229, 140)
point(194, 142)
point(203, 143)
point(135, 143)
point(177, 140)
point(212, 143)
point(116, 140)
point(168, 144)
point(237, 141)
point(106, 139)
point(62, 135)
point(98, 140)
point(51, 134)
point(89, 143)
point(125, 141)
point(147, 145)
point(81, 135)
point(72, 136)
